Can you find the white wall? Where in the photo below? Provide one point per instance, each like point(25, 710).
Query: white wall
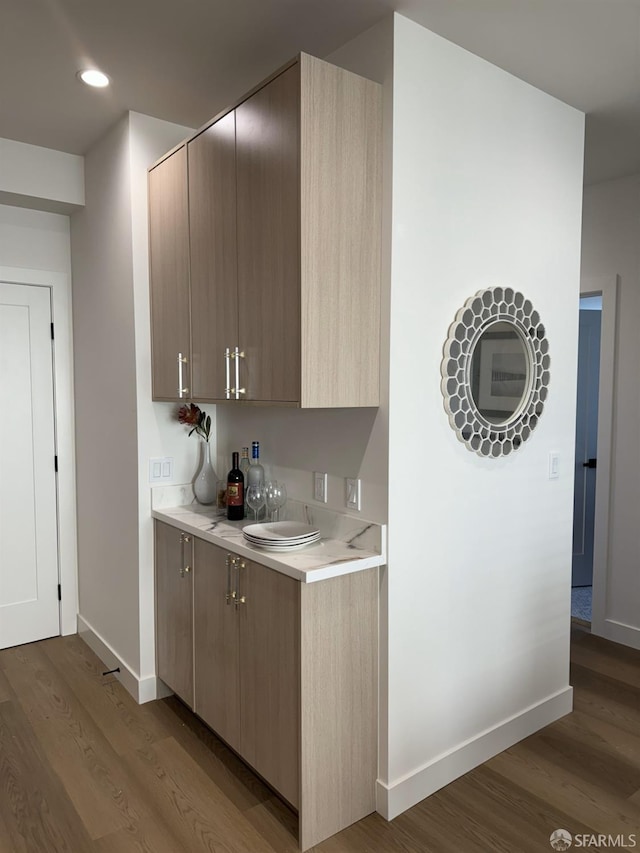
point(40, 178)
point(487, 180)
point(32, 238)
point(610, 247)
point(105, 382)
point(295, 443)
point(118, 426)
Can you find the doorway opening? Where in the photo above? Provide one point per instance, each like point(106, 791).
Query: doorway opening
point(586, 457)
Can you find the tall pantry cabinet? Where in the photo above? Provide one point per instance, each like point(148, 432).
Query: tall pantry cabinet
point(281, 204)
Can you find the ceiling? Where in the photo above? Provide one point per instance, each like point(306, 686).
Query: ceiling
point(184, 61)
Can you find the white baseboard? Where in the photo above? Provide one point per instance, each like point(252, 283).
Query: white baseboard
point(618, 632)
point(142, 689)
point(393, 799)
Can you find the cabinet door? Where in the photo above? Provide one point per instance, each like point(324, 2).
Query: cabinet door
point(267, 142)
point(216, 642)
point(214, 275)
point(174, 610)
point(269, 675)
point(169, 270)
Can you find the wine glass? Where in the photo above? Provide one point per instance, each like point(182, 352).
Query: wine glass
point(256, 497)
point(276, 498)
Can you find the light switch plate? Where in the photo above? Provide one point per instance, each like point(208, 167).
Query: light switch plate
point(554, 465)
point(353, 494)
point(161, 470)
point(320, 487)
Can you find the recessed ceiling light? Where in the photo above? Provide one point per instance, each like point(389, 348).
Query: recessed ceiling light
point(93, 77)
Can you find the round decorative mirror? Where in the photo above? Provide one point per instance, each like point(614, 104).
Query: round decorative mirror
point(495, 371)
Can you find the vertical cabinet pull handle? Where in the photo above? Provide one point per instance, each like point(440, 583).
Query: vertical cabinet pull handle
point(185, 539)
point(230, 563)
point(240, 599)
point(238, 355)
point(182, 392)
point(227, 373)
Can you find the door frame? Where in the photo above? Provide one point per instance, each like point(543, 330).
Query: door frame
point(59, 285)
point(608, 287)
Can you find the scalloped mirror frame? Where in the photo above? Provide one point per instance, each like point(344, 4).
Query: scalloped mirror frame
point(487, 307)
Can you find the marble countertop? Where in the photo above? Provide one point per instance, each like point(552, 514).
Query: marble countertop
point(328, 558)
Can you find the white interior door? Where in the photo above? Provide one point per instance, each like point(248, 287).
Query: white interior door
point(29, 607)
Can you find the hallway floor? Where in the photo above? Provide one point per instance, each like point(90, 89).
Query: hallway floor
point(83, 768)
point(581, 597)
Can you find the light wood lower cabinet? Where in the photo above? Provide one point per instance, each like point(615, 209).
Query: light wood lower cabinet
point(174, 610)
point(216, 643)
point(270, 675)
point(286, 674)
point(246, 646)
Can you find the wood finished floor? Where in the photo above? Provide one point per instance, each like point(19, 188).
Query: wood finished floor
point(83, 768)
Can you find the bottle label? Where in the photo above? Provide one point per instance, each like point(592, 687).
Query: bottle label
point(234, 494)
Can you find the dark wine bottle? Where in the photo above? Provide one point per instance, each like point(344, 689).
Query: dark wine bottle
point(235, 491)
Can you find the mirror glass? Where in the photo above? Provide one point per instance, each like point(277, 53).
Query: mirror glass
point(500, 372)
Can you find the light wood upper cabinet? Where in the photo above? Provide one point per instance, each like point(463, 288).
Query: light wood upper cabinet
point(174, 610)
point(169, 270)
point(284, 219)
point(214, 256)
point(308, 163)
point(340, 226)
point(267, 139)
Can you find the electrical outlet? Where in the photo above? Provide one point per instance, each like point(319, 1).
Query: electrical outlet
point(320, 487)
point(353, 494)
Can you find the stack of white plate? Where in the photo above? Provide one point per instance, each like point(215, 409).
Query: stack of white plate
point(281, 535)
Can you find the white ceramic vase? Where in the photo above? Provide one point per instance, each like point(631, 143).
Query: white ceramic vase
point(205, 484)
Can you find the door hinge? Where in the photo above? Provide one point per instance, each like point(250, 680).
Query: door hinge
point(52, 335)
point(59, 592)
point(55, 463)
